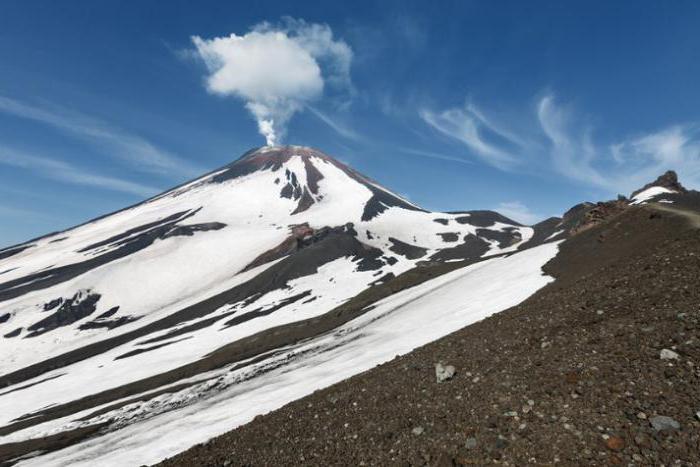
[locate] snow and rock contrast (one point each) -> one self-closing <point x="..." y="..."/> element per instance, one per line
<point x="137" y="335"/>
<point x="659" y="190"/>
<point x="571" y="376"/>
<point x="196" y="299"/>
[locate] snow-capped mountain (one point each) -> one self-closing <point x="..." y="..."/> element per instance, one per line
<point x="663" y="190"/>
<point x="140" y="333"/>
<point x="123" y="271"/>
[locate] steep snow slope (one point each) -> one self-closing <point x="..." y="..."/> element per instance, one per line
<point x="226" y="398"/>
<point x="146" y="262"/>
<point x="152" y="298"/>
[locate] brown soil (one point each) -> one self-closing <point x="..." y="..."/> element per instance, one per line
<point x="572" y="375"/>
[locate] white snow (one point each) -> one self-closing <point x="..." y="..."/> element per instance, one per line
<point x="177" y="272"/>
<point x="396" y="325"/>
<point x="556" y="233"/>
<point x="649" y="193"/>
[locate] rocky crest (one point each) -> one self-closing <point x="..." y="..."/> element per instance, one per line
<point x="668" y="180"/>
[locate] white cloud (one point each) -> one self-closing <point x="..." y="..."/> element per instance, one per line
<point x="276" y="70"/>
<point x="624" y="165"/>
<point x="64" y="172"/>
<point x="571" y="155"/>
<point x="135" y="150"/>
<point x="435" y="155"/>
<point x="518" y="212"/>
<point x="470" y="127"/>
<point x="557" y="132"/>
<point x="675" y="147"/>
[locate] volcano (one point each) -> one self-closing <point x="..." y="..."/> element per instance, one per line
<point x="136" y="335"/>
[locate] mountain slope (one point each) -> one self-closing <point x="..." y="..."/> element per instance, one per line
<point x="134" y="336"/>
<point x="574" y="375"/>
<point x="223" y="272"/>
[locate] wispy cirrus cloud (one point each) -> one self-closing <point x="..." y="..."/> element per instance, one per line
<point x="572" y="154"/>
<point x="570" y="148"/>
<point x="487" y="141"/>
<point x="435" y="155"/>
<point x="343" y="130"/>
<point x="624" y="164"/>
<point x="519" y="212"/>
<point x="64" y="172"/>
<point x="132" y="149"/>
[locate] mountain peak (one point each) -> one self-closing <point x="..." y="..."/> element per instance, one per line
<point x="283" y="152"/>
<point x="668" y="180"/>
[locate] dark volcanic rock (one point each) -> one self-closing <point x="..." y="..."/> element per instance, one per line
<point x="108" y="323"/>
<point x="305" y="202"/>
<point x="302" y="236"/>
<point x="82" y="304"/>
<point x="53" y="304"/>
<point x="189" y="230"/>
<point x="545" y="231"/>
<point x="483" y="218"/>
<point x="505" y="238"/>
<point x="470" y="249"/>
<point x="404" y="249"/>
<point x="668" y="180"/>
<point x="267" y="311"/>
<point x="14" y="333"/>
<point x="449" y="236"/>
<point x="11" y="251"/>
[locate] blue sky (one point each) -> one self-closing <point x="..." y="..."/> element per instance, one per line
<point x="525" y="107"/>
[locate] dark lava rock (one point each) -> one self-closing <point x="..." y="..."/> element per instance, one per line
<point x="668" y="180"/>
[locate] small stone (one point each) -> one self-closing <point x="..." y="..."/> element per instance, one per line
<point x="641" y="416"/>
<point x="471" y="443"/>
<point x="697" y="414"/>
<point x="444" y="372"/>
<point x="418" y="430"/>
<point x="510" y="414"/>
<point x="615" y="443"/>
<point x="599" y="312"/>
<point x="662" y="423"/>
<point x="501" y="443"/>
<point x="530" y="402"/>
<point x="668" y="354"/>
<point x="642" y="441"/>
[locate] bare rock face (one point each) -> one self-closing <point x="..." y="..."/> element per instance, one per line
<point x="668" y="180"/>
<point x="586" y="215"/>
<point x="590" y="215"/>
<point x="664" y="423"/>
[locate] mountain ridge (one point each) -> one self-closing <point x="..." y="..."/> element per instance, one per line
<point x="279" y="258"/>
